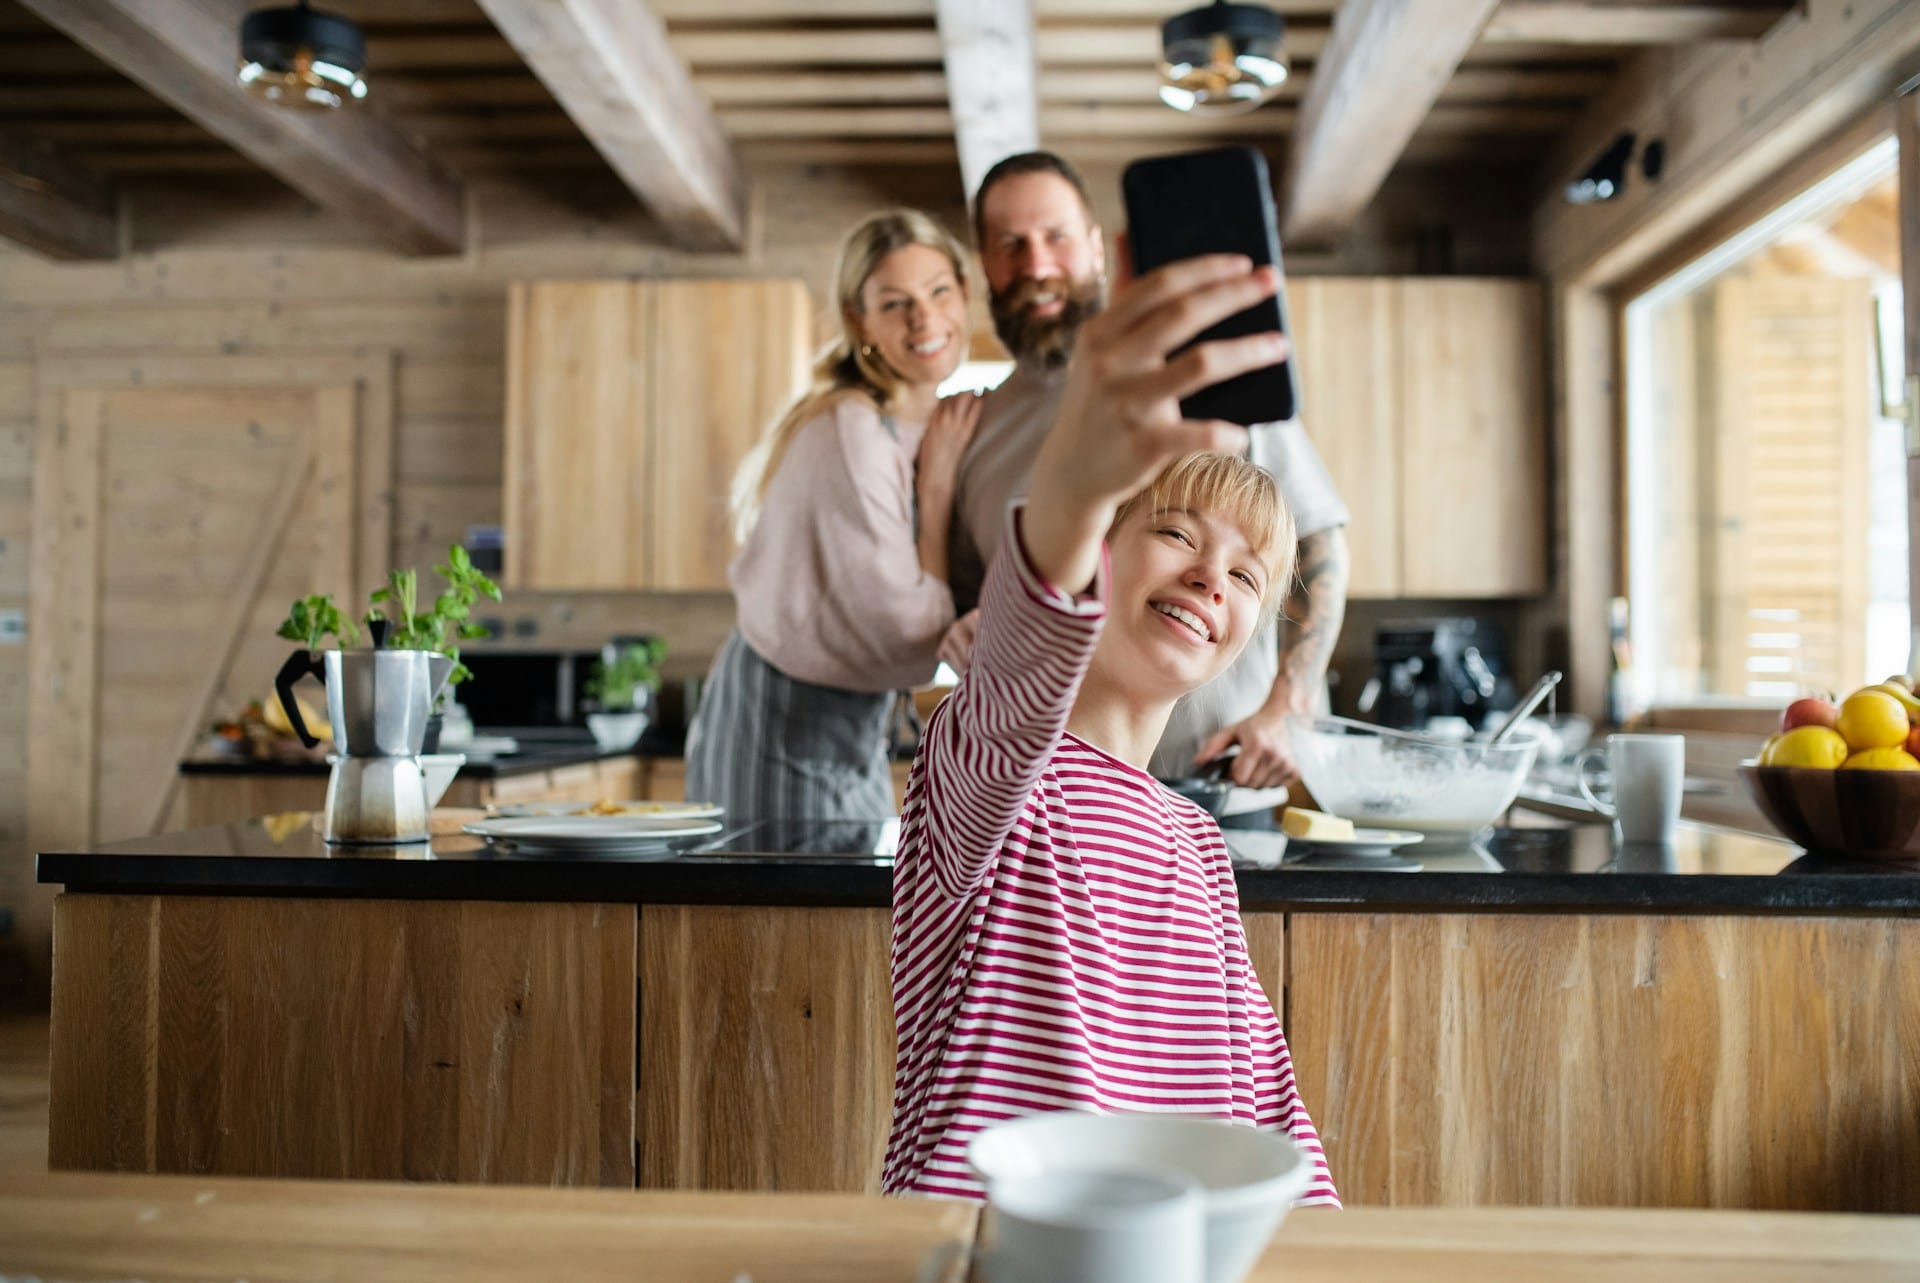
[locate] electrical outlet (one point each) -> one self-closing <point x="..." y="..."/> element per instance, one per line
<point x="13" y="627"/>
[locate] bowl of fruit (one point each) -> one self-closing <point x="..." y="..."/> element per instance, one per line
<point x="1844" y="779"/>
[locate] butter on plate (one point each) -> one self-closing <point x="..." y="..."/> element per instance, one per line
<point x="1313" y="826"/>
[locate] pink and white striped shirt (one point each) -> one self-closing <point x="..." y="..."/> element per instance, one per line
<point x="1066" y="932"/>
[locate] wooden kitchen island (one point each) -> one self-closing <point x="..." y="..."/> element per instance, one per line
<point x="1545" y="1019"/>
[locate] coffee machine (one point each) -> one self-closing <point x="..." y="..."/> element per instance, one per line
<point x="1428" y="668"/>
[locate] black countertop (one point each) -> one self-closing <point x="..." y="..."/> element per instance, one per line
<point x="1571" y="869"/>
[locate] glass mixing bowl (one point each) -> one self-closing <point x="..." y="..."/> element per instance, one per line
<point x="1381" y="778"/>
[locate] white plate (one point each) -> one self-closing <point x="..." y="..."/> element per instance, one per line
<point x="591" y="834"/>
<point x="655" y="812"/>
<point x="1363" y="842"/>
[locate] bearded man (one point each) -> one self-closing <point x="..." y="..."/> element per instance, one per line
<point x="1044" y="258"/>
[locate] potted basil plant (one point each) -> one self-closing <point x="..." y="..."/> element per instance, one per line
<point x="622" y="685"/>
<point x="397" y="619"/>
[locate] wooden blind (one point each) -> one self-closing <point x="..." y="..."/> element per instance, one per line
<point x="1784" y="467"/>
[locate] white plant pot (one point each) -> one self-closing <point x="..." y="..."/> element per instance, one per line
<point x="613" y="731"/>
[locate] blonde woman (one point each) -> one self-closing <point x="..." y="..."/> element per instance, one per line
<point x="842" y="512"/>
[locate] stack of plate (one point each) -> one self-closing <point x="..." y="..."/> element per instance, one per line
<point x="647" y="828"/>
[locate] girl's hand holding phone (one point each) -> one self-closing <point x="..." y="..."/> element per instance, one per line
<point x="1120" y="420"/>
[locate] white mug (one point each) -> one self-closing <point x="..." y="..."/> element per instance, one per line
<point x="1099" y="1225"/>
<point x="1649" y="772"/>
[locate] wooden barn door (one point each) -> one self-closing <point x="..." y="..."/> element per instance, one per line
<point x="180" y="504"/>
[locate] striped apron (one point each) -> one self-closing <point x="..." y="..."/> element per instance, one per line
<point x="771" y="747"/>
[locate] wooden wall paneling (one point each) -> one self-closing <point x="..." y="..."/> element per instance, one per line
<point x="366" y="1040"/>
<point x="1346" y="334"/>
<point x="769" y="1064"/>
<point x="1473" y="416"/>
<point x="576" y="506"/>
<point x="729" y="357"/>
<point x="1618" y="1061"/>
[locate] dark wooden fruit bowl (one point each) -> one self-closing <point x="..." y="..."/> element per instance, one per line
<point x="1865" y="815"/>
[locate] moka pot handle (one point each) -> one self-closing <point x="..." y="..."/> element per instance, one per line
<point x="298" y="665"/>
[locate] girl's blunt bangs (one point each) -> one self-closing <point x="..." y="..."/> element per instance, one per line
<point x="1237" y="489"/>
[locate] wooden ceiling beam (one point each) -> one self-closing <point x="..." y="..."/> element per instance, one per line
<point x="53" y="205"/>
<point x="354" y="162"/>
<point x="1382" y="73"/>
<point x="609" y="65"/>
<point x="1570" y="22"/>
<point x="992" y="82"/>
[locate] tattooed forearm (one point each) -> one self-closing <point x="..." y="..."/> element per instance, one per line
<point x="1315" y="609"/>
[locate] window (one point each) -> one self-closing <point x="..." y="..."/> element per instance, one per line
<point x="1766" y="482"/>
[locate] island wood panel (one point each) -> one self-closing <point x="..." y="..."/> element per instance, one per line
<point x="1267" y="947"/>
<point x="1647" y="1061"/>
<point x="1346" y="336"/>
<point x="1474" y="434"/>
<point x="766" y="1048"/>
<point x="369" y="1039"/>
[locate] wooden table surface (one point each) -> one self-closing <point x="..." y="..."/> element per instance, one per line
<point x="171" y="1229"/>
<point x="168" y="1229"/>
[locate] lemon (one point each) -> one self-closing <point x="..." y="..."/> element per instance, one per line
<point x="1872" y="719"/>
<point x="1882" y="759"/>
<point x="1906" y="698"/>
<point x="1815" y="746"/>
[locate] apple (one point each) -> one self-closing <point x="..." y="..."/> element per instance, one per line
<point x="1809" y="711"/>
<point x="1913" y="741"/>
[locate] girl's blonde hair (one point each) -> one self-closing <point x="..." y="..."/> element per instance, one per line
<point x="1241" y="491"/>
<point x="846" y="366"/>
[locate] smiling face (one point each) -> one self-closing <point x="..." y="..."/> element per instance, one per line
<point x="1045" y="264"/>
<point x="1188" y="591"/>
<point x="913" y="310"/>
<point x="1196" y="561"/>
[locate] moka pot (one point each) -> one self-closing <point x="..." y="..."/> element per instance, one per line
<point x="378" y="702"/>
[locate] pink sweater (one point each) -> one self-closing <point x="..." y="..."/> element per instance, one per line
<point x="1066" y="932"/>
<point x="828" y="585"/>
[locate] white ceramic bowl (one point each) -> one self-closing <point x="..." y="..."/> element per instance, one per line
<point x="616" y="730"/>
<point x="1386" y="779"/>
<point x="1249" y="1178"/>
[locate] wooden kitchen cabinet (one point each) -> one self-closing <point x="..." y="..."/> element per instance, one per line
<point x="1347" y="340"/>
<point x="1473" y="422"/>
<point x="629" y="405"/>
<point x="1425" y="397"/>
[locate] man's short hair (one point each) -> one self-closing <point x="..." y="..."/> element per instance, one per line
<point x="1028" y="162"/>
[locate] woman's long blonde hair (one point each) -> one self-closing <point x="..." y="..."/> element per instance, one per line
<point x="846" y="366"/>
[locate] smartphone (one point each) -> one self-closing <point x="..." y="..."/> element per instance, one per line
<point x="1215" y="202"/>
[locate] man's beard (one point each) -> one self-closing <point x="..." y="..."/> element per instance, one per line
<point x="1045" y="341"/>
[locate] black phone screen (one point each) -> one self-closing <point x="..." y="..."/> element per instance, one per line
<point x="1215" y="202"/>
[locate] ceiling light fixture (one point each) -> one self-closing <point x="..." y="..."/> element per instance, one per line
<point x="1606" y="177"/>
<point x="1221" y="59"/>
<point x="299" y="57"/>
